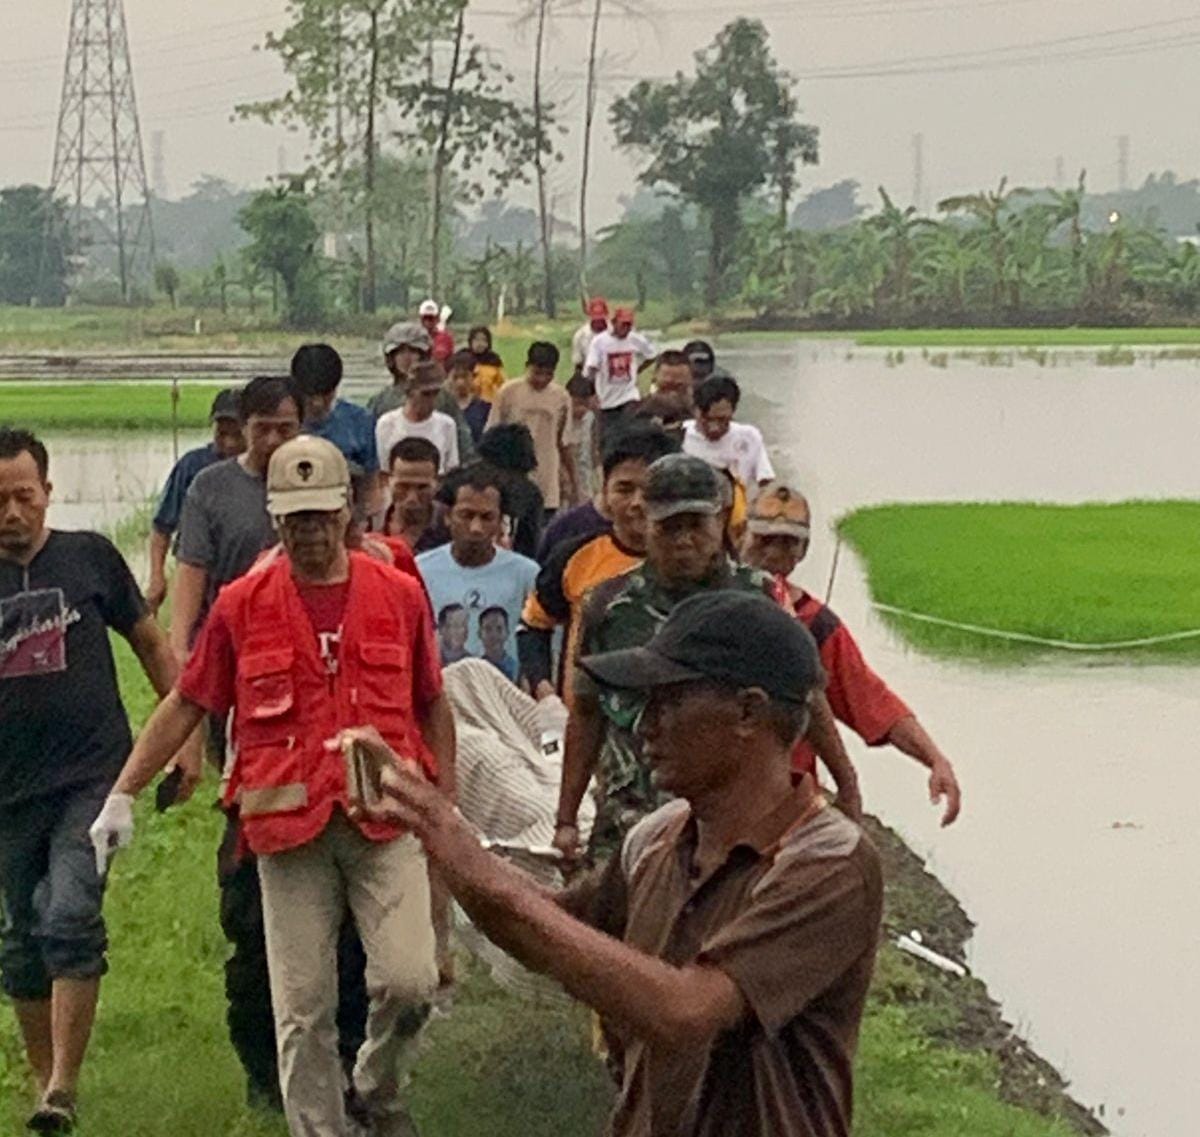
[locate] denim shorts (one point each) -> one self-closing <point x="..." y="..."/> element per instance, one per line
<point x="50" y="892"/>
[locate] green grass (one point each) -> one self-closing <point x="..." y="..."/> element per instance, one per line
<point x="104" y="406"/>
<point x="1026" y="337"/>
<point x="1088" y="573"/>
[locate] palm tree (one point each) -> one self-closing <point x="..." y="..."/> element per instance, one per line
<point x="989" y="208"/>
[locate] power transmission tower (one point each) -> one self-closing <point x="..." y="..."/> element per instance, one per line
<point x="1123" y="162"/>
<point x="99" y="164"/>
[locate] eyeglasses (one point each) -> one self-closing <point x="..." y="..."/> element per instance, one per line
<point x="781" y="505"/>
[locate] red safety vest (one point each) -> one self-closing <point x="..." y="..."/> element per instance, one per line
<point x="285" y="782"/>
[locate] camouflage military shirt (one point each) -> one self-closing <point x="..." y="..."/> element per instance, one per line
<point x="623" y="612"/>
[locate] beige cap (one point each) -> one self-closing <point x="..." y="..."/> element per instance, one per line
<point x="779" y="511"/>
<point x="307" y="474"/>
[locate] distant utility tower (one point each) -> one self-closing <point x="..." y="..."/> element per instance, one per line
<point x="99" y="165"/>
<point x="1123" y="162"/>
<point x="158" y="164"/>
<point x="918" y="153"/>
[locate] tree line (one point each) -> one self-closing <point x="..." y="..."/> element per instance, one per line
<point x="417" y="137"/>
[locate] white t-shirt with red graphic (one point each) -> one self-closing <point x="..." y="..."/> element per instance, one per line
<point x="615" y="363"/>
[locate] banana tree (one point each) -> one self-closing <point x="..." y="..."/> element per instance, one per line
<point x="990" y="208"/>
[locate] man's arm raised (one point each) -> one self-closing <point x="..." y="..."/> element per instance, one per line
<point x="669" y="1006"/>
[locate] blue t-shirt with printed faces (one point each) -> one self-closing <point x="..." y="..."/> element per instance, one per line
<point x="478" y="608"/>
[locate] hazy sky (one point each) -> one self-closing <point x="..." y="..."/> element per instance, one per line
<point x="994" y="86"/>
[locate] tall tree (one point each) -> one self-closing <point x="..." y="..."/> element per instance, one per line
<point x="721" y="136"/>
<point x="30" y="274"/>
<point x="470" y="126"/>
<point x="336" y="53"/>
<point x="283" y="239"/>
<point x="540" y="112"/>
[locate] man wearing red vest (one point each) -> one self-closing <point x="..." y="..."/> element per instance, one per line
<point x="779" y="527"/>
<point x="322" y="640"/>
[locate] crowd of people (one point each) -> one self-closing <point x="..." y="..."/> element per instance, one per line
<point x="478" y="615"/>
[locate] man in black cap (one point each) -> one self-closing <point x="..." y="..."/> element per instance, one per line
<point x="227" y="442"/>
<point x="685" y="555"/>
<point x="731" y="944"/>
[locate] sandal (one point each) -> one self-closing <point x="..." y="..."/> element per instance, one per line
<point x="56" y="1114"/>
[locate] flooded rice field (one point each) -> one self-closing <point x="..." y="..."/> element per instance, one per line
<point x="1078" y="849"/>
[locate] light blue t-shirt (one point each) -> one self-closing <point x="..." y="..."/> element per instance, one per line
<point x="478" y="609"/>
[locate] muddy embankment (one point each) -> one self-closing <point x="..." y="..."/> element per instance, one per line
<point x="958" y="1011"/>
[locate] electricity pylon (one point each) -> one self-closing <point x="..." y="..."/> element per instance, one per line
<point x="99" y="165"/>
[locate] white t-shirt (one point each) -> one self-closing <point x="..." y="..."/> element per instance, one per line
<point x="581" y="342"/>
<point x="616" y="362"/>
<point x="740" y="450"/>
<point x="438" y="428"/>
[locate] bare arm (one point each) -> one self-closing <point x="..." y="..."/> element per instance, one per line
<point x="437" y="726"/>
<point x="156" y="591"/>
<point x="666" y="1005"/>
<point x="159" y="741"/>
<point x="581" y="753"/>
<point x="191" y="582"/>
<point x="910" y="737"/>
<point x="150" y="645"/>
<point x="823" y="734"/>
<point x="566" y="455"/>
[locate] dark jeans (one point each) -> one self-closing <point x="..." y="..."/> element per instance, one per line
<point x="50" y="892"/>
<point x="612" y="422"/>
<point x="247" y="981"/>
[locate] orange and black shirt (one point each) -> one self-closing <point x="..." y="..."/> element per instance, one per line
<point x="573" y="568"/>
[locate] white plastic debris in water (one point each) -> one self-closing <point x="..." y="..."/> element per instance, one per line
<point x="916" y="948"/>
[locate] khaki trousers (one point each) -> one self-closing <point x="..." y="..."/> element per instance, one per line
<point x="305" y="894"/>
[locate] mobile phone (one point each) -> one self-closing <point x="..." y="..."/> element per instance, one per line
<point x="364" y="775"/>
<point x="167" y="793"/>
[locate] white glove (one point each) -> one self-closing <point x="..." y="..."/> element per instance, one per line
<point x="112" y="830"/>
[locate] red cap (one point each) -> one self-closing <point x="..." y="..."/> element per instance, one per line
<point x="597" y="308"/>
<point x="623" y="316"/>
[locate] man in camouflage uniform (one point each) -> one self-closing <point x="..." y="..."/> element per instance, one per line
<point x="684" y="555"/>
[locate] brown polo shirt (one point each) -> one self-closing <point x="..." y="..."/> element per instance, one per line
<point x="792" y="916"/>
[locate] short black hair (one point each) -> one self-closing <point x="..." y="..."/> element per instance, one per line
<point x="714" y="389"/>
<point x="264" y="394"/>
<point x="579" y="386"/>
<point x="14" y="441"/>
<point x="316" y="369"/>
<point x="542" y="354"/>
<point x="672" y="358"/>
<point x="461" y="361"/>
<point x="494" y="610"/>
<point x="639" y="441"/>
<point x="478" y="476"/>
<point x="415" y="450"/>
<point x="509" y="445"/>
<point x="449" y="610"/>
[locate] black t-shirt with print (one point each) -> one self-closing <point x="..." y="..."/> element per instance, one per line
<point x="61" y="719"/>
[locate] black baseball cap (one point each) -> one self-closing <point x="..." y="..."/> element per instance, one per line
<point x="741" y="639"/>
<point x="699" y="352"/>
<point x="682" y="483"/>
<point x="227" y="404"/>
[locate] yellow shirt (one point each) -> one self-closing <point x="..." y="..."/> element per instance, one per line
<point x="489" y="378"/>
